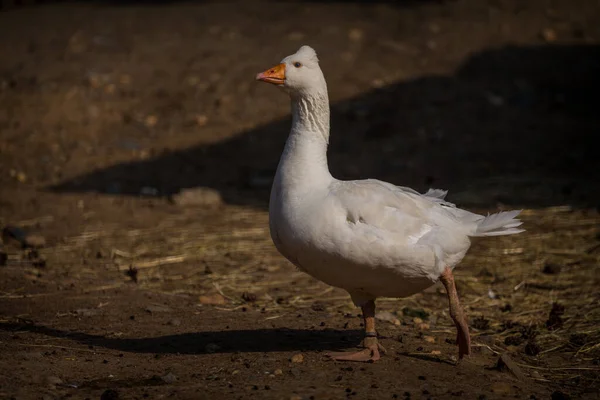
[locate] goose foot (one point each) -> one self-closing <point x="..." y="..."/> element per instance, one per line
<point x="372" y="347"/>
<point x="370" y="353"/>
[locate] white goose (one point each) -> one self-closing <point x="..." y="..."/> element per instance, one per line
<point x="368" y="237"/>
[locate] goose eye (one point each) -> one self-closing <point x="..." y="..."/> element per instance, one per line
<point x="297" y="64"/>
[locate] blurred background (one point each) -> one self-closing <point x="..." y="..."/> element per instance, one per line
<point x="496" y="100"/>
<point x="137" y="152"/>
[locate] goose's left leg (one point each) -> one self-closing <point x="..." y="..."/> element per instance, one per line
<point x="458" y="315"/>
<point x="371" y="350"/>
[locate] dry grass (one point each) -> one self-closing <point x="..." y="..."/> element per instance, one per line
<point x="233" y="255"/>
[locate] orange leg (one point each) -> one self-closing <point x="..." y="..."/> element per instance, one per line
<point x="458" y="316"/>
<point x="371" y="350"/>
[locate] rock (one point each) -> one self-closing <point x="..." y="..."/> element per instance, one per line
<point x="355" y="34"/>
<point x="212" y="299"/>
<point x="549" y="35"/>
<point x="35" y="241"/>
<point x="174" y="322"/>
<point x="197" y="197"/>
<point x="157" y="308"/>
<point x="501" y="388"/>
<point x="151" y="121"/>
<point x="377" y="83"/>
<point x="423" y="326"/>
<point x="169" y="378"/>
<point x="212" y="348"/>
<point x="436" y="352"/>
<point x="506" y="364"/>
<point x="297" y="358"/>
<point x="53" y="380"/>
<point x="429" y="339"/>
<point x="387" y="317"/>
<point x="278" y="372"/>
<point x="109" y="394"/>
<point x="21" y="177"/>
<point x="201" y="120"/>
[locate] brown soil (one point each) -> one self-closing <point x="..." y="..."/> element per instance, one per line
<point x="108" y="110"/>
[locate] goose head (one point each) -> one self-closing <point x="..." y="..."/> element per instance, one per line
<point x="297" y="74"/>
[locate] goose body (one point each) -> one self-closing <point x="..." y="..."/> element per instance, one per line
<point x="369" y="237"/>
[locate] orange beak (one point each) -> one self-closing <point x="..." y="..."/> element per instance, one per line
<point x="275" y="75"/>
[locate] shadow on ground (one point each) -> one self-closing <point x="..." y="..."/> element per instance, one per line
<point x="514" y="125"/>
<point x="231" y="341"/>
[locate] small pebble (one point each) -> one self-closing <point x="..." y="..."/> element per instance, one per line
<point x="21" y="177"/>
<point x="169" y="378"/>
<point x="423" y="327"/>
<point x="387" y="317"/>
<point x="151" y="121"/>
<point x="213" y="299"/>
<point x="549" y="35"/>
<point x="429" y="339"/>
<point x="278" y="372"/>
<point x="201" y="120"/>
<point x="174" y="322"/>
<point x="157" y="308"/>
<point x="53" y="380"/>
<point x="297" y="358"/>
<point x="355" y="34"/>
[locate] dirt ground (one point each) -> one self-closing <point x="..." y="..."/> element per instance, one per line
<point x="109" y="111"/>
